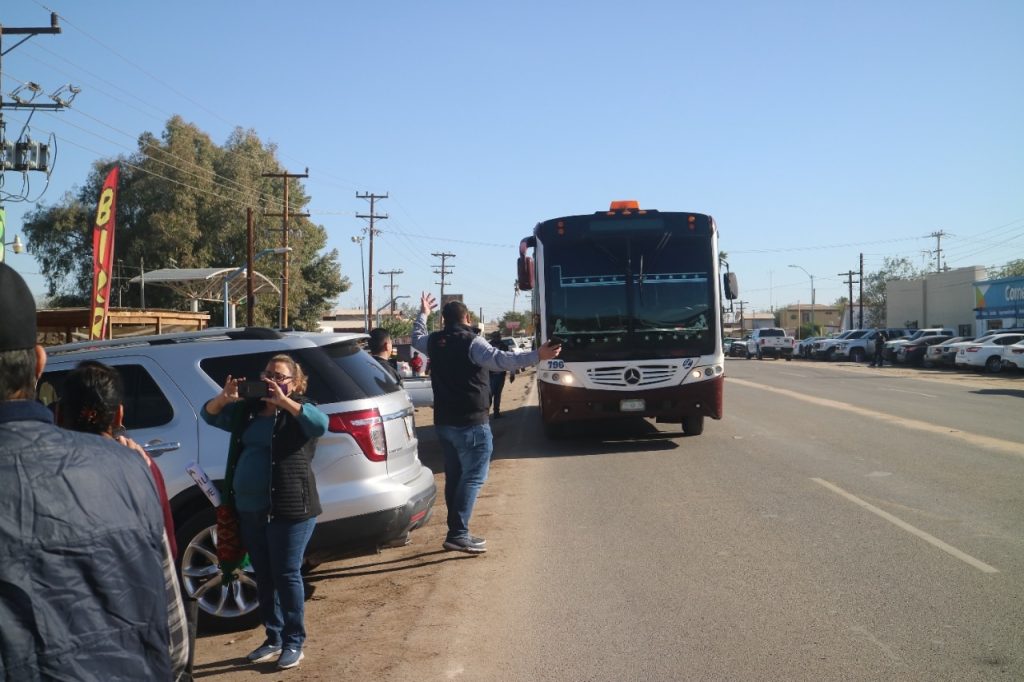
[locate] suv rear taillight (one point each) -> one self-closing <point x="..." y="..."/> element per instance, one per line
<point x="366" y="427"/>
<point x="973" y="349"/>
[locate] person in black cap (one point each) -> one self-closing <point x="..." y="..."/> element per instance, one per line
<point x="87" y="587"/>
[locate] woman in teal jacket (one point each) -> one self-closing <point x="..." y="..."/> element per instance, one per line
<point x="272" y="487"/>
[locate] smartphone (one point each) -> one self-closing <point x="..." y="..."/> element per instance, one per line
<point x="554" y="341"/>
<point x="248" y="390"/>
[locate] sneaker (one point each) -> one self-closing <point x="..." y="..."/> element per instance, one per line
<point x="467" y="545"/>
<point x="290" y="658"/>
<point x="264" y="653"/>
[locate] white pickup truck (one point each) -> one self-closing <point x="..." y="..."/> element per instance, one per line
<point x="770" y="341"/>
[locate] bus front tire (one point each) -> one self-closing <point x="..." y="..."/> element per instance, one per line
<point x="693" y="425"/>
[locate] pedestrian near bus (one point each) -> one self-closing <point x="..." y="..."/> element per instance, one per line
<point x="84" y="591"/>
<point x="880" y="339"/>
<point x="497" y="378"/>
<point x="460" y="361"/>
<point x="272" y="488"/>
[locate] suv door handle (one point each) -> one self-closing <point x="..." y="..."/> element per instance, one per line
<point x="156" y="448"/>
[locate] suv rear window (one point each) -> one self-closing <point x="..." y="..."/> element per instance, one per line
<point x="337" y="373"/>
<point x="772" y="332"/>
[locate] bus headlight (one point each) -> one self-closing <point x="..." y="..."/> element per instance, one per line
<point x="703" y="373"/>
<point x="560" y="377"/>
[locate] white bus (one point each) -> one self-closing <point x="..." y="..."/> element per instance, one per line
<point x="634" y="297"/>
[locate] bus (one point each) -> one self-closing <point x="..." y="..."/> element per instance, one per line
<point x="635" y="299"/>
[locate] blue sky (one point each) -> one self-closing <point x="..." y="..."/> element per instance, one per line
<point x="811" y="131"/>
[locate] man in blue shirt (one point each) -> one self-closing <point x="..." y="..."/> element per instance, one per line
<point x="460" y="366"/>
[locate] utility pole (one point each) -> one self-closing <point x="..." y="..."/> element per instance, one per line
<point x="861" y="282"/>
<point x="371" y="217"/>
<point x="849" y="280"/>
<point x="391" y="286"/>
<point x="938" y="249"/>
<point x="741" y="304"/>
<point x="284" y="242"/>
<point x="24" y="154"/>
<point x="443" y="271"/>
<point x="362" y="270"/>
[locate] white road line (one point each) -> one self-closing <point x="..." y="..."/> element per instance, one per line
<point x="900" y="390"/>
<point x="975" y="439"/>
<point x="931" y="539"/>
<point x="794" y="374"/>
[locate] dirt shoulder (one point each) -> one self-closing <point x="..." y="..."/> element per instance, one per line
<point x="367" y="615"/>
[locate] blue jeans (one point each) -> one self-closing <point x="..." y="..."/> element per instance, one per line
<point x="275" y="550"/>
<point x="467" y="457"/>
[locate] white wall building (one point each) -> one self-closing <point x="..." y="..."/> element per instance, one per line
<point x="939" y="299"/>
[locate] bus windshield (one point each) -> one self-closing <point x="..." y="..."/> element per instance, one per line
<point x="630" y="293"/>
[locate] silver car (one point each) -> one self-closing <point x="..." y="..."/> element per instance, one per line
<point x="373" y="488"/>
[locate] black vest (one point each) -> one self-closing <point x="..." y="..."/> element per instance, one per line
<point x="462" y="389"/>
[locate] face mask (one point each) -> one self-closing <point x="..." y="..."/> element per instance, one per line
<point x="284" y="388"/>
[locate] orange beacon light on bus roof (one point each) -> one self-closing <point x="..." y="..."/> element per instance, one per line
<point x="625" y="205"/>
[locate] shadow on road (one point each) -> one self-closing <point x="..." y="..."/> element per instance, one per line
<point x="1012" y="392"/>
<point x="519" y="434"/>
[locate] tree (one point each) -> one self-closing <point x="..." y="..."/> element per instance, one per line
<point x="521" y="323"/>
<point x="182" y="199"/>
<point x="1014" y="268"/>
<point x="874" y="288"/>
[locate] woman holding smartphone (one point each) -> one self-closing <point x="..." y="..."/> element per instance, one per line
<point x="270" y="483"/>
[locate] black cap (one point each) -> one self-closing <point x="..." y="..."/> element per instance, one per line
<point x="17" y="312"/>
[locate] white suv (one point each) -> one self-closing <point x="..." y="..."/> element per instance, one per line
<point x="373" y="488"/>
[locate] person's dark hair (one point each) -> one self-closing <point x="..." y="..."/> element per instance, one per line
<point x="18" y="374"/>
<point x="378" y="340"/>
<point x="454" y="313"/>
<point x="91" y="395"/>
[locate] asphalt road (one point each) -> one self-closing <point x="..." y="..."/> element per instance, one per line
<point x="839" y="523"/>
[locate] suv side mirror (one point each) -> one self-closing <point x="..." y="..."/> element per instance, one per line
<point x="731" y="286"/>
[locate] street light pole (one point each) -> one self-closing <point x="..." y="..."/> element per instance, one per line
<point x="813" y="326"/>
<point x="228" y="322"/>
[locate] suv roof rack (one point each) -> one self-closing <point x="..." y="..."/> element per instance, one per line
<point x="168" y="339"/>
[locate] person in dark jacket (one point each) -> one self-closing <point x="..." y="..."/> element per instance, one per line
<point x="460" y="361"/>
<point x="497" y="378"/>
<point x="84" y="562"/>
<point x="381" y="347"/>
<point x="92" y="401"/>
<point x="273" y="439"/>
<point x="880" y="339"/>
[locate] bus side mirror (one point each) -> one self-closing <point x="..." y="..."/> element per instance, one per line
<point x="731" y="286"/>
<point x="526" y="273"/>
<point x="525" y="266"/>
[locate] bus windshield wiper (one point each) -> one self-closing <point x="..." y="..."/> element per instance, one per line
<point x="640" y="286"/>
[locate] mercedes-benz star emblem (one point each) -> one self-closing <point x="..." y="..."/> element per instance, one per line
<point x="631" y="376"/>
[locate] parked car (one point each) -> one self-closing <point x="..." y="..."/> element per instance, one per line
<point x="913" y="352"/>
<point x="861" y="347"/>
<point x="727" y="342"/>
<point x="824" y="348"/>
<point x="373" y="488"/>
<point x="804" y="346"/>
<point x="988" y="354"/>
<point x="892" y="347"/>
<point x="944" y="354"/>
<point x="1014" y="356"/>
<point x="771" y="341"/>
<point x="739" y="348"/>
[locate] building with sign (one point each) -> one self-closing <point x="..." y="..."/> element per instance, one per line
<point x="999" y="303"/>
